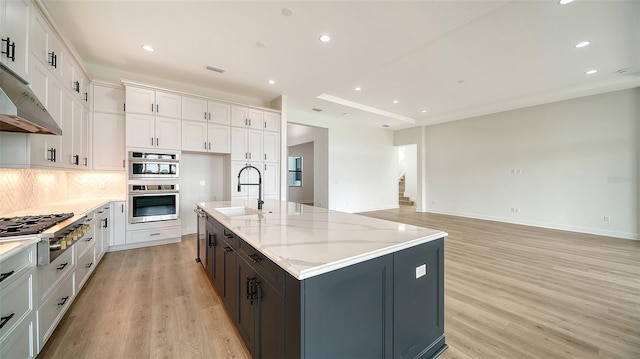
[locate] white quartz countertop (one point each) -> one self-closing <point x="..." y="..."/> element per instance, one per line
<point x="307" y="241"/>
<point x="79" y="207"/>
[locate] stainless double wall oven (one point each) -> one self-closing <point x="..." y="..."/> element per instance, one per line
<point x="153" y="186"/>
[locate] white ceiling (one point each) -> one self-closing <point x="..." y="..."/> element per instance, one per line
<point x="454" y="59"/>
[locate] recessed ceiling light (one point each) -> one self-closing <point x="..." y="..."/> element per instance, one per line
<point x="261" y="44"/>
<point x="395" y="101"/>
<point x="582" y="44"/>
<point x="287" y="11"/>
<point x="358" y="88"/>
<point x="564" y="2"/>
<point x="591" y="72"/>
<point x="424" y="111"/>
<point x="148" y="48"/>
<point x="271" y="82"/>
<point x="325" y="38"/>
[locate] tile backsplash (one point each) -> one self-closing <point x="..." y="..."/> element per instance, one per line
<point x="25" y="188"/>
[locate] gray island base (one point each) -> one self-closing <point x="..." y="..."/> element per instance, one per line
<point x="305" y="282"/>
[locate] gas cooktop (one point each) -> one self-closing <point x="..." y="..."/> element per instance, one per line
<point x="19" y="226"/>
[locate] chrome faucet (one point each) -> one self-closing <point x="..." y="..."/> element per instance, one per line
<point x="259" y="184"/>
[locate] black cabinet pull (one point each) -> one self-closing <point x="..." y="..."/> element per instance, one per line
<point x="89" y="239"/>
<point x="54" y="60"/>
<point x="86" y="161"/>
<point x="86" y="97"/>
<point x="106" y="223"/>
<point x="89" y="265"/>
<point x="11" y="49"/>
<point x="255" y="258"/>
<point x="248" y="280"/>
<point x="63" y="300"/>
<point x="212" y="239"/>
<point x="61" y="267"/>
<point x="5" y="320"/>
<point x="76" y="86"/>
<point x="76" y="160"/>
<point x="6" y="275"/>
<point x="228" y="249"/>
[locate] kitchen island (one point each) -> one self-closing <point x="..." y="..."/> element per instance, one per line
<point x="306" y="282"/>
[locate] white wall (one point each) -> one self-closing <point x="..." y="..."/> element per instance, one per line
<point x="563" y="165"/>
<point x="362" y="163"/>
<point x="202" y="178"/>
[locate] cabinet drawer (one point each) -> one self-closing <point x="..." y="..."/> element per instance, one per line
<point x="84" y="267"/>
<point x="13" y="267"/>
<point x="15" y="302"/>
<point x="85" y="242"/>
<point x="268" y="270"/>
<point x="229" y="238"/>
<point x="149" y="235"/>
<point x="53" y="308"/>
<point x="50" y="274"/>
<point x="20" y="343"/>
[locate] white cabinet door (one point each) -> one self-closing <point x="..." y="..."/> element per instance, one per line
<point x="140" y="130"/>
<point x="38" y="38"/>
<point x="108" y="142"/>
<point x="194" y="136"/>
<point x="66" y="159"/>
<point x="254" y="145"/>
<point x="239" y="144"/>
<point x="85" y="156"/>
<point x="271" y="146"/>
<point x="256" y="119"/>
<point x="55" y="54"/>
<point x="44" y="148"/>
<point x="118" y="230"/>
<point x="271" y="121"/>
<point x="139" y="100"/>
<point x="219" y="113"/>
<point x="76" y="148"/>
<point x="239" y="116"/>
<point x="219" y="138"/>
<point x="108" y="99"/>
<point x="68" y="71"/>
<point x="271" y="180"/>
<point x="168" y="105"/>
<point x="14" y="25"/>
<point x="168" y="133"/>
<point x="194" y="109"/>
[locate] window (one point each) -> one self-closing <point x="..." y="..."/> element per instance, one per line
<point x="295" y="172"/>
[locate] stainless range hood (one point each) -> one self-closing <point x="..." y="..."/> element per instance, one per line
<point x="20" y="109"/>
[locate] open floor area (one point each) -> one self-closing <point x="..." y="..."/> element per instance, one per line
<point x="511" y="291"/>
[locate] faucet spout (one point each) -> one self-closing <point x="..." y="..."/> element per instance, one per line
<point x="259" y="184"/>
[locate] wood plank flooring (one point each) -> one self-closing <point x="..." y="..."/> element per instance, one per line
<point x="510" y="292"/>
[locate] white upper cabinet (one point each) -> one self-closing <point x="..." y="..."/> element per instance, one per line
<point x="271" y="121"/>
<point x="271" y="146"/>
<point x="108" y="99"/>
<point x="219" y="113"/>
<point x="150" y="102"/>
<point x="194" y="109"/>
<point x="14" y="27"/>
<point x="246" y="117"/>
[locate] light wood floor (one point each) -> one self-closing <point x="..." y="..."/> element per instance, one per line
<point x="510" y="292"/>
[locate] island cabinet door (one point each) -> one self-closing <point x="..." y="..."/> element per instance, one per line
<point x="247" y="306"/>
<point x="347" y="313"/>
<point x="418" y="306"/>
<point x="270" y="322"/>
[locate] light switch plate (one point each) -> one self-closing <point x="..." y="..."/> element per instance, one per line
<point x="421" y="271"/>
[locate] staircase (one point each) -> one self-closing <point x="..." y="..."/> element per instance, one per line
<point x="402" y="199"/>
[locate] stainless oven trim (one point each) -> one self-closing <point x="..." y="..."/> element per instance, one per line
<point x="162" y="217"/>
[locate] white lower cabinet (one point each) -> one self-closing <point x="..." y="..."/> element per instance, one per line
<point x="84" y="267"/>
<point x="53" y="308"/>
<point x="153" y="234"/>
<point x="17" y="307"/>
<point x="21" y="342"/>
<point x="118" y="229"/>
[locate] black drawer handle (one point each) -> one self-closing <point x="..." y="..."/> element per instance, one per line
<point x="63" y="300"/>
<point x="255" y="258"/>
<point x="229" y="235"/>
<point x="89" y="239"/>
<point x="61" y="267"/>
<point x="4" y="276"/>
<point x="89" y="265"/>
<point x="5" y="320"/>
<point x="228" y="249"/>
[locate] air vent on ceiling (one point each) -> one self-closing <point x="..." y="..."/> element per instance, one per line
<point x="216" y="69"/>
<point x="317" y="109"/>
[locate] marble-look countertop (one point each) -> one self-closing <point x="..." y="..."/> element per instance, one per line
<point x="307" y="241"/>
<point x="80" y="207"/>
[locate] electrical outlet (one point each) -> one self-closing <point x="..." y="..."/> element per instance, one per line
<point x="606" y="219"/>
<point x="515" y="210"/>
<point x="101" y="185"/>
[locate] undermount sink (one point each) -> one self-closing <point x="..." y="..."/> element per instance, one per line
<point x="237" y="211"/>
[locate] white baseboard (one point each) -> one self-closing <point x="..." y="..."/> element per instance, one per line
<point x="124" y="247"/>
